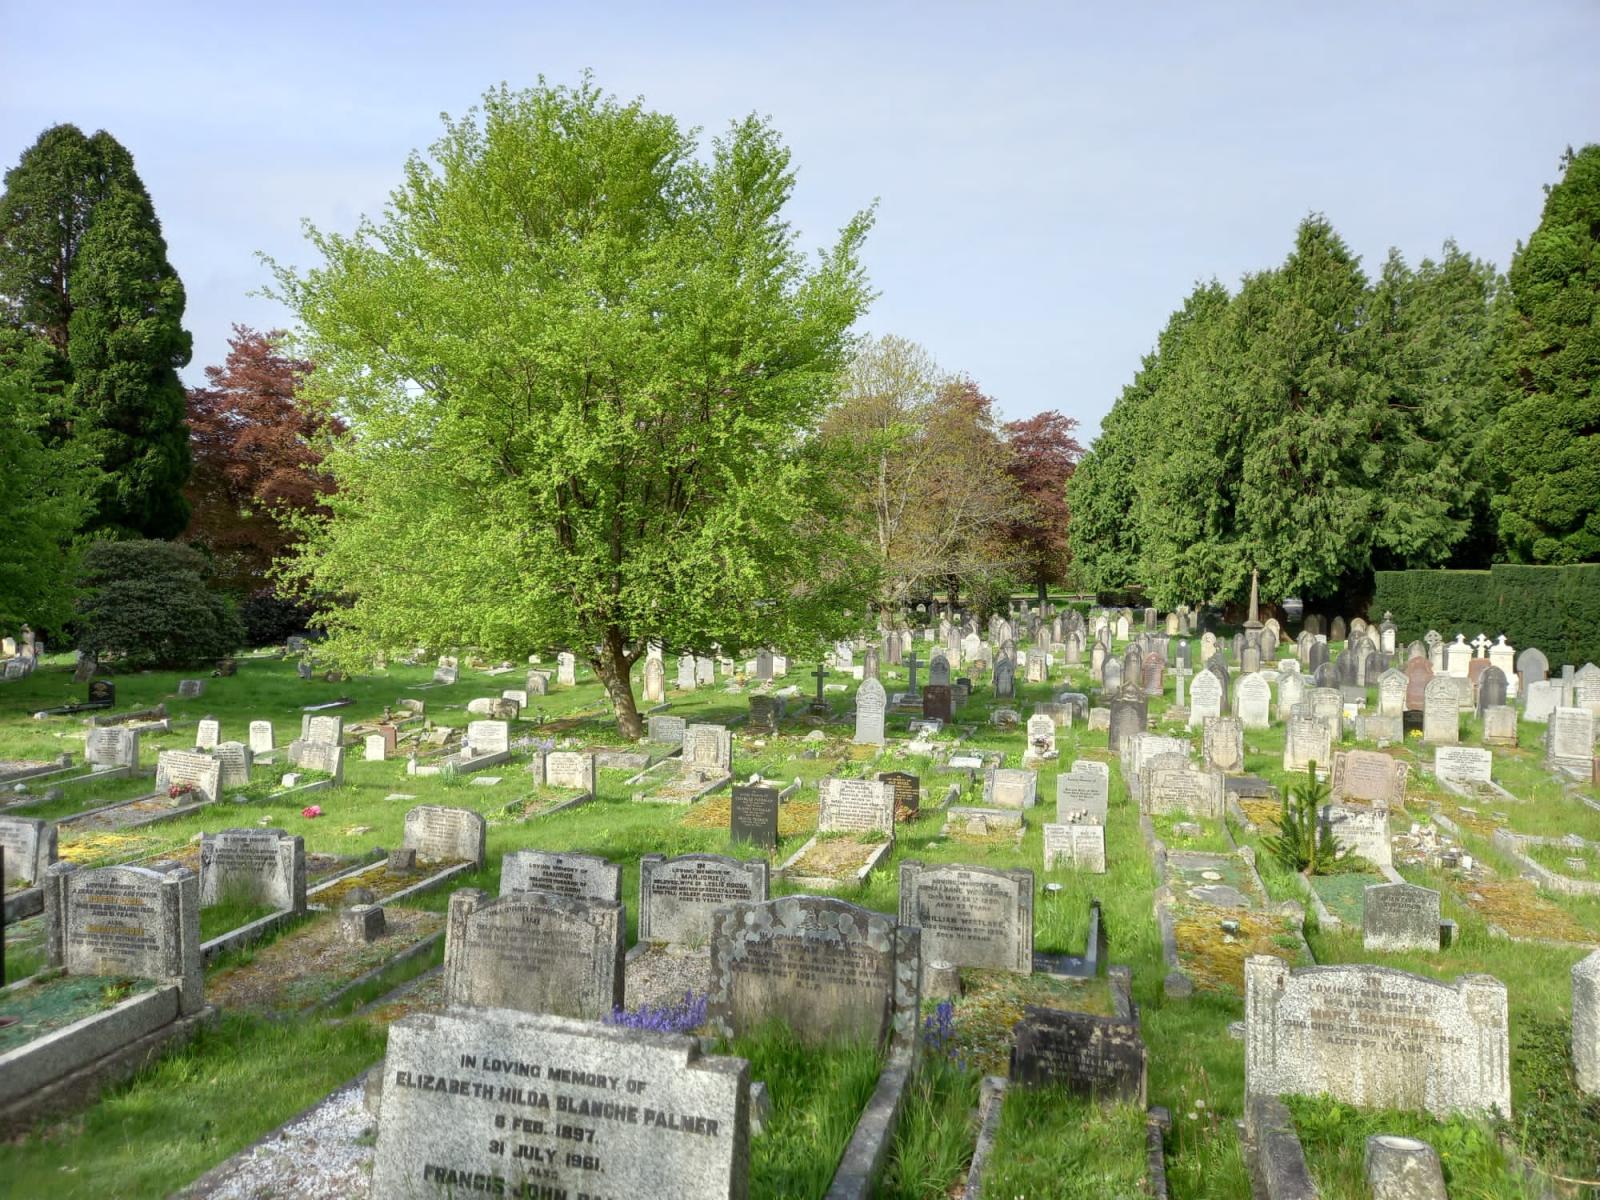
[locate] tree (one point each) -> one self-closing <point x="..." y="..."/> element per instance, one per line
<point x="43" y="490"/>
<point x="149" y="604"/>
<point x="257" y="457"/>
<point x="1547" y="435"/>
<point x="1043" y="456"/>
<point x="126" y="343"/>
<point x="579" y="364"/>
<point x="920" y="457"/>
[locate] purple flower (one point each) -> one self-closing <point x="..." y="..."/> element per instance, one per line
<point x="683" y="1017"/>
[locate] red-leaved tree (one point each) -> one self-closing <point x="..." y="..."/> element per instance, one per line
<point x="256" y="460"/>
<point x="1043" y="455"/>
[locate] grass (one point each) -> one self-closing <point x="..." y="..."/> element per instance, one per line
<point x="1053" y="1145"/>
<point x="933" y="1143"/>
<point x="217" y="919"/>
<point x="817" y="1096"/>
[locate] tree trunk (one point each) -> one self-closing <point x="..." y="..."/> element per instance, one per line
<point x="1044" y="594"/>
<point x="613" y="668"/>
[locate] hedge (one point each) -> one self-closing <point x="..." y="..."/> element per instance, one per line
<point x="1556" y="609"/>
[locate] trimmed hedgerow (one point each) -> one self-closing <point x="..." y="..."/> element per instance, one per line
<point x="1554" y="608"/>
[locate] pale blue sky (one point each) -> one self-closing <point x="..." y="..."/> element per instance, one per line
<point x="1051" y="178"/>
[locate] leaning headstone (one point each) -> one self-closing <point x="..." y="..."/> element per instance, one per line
<point x="534" y="952"/>
<point x="30" y="846"/>
<point x="1399" y="916"/>
<point x="667" y="1120"/>
<point x="970" y="916"/>
<point x="678" y="896"/>
<point x="1377" y="1037"/>
<point x="563" y="873"/>
<point x="448" y="669"/>
<point x="855" y="806"/>
<point x="317" y="756"/>
<point x="871" y="701"/>
<point x="445" y="834"/>
<point x="753" y="815"/>
<point x="253" y="866"/>
<point x="234" y="761"/>
<point x="826" y="969"/>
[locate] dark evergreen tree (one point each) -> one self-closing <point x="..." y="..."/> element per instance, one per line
<point x="125" y="344"/>
<point x="1546" y="439"/>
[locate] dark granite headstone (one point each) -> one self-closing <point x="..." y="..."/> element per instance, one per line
<point x="753" y="815"/>
<point x="1101" y="1057"/>
<point x="936" y="702"/>
<point x="102" y="692"/>
<point x="907" y="793"/>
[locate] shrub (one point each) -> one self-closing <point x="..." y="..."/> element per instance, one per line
<point x="1554" y="608"/>
<point x="269" y="618"/>
<point x="147" y="604"/>
<point x="1303" y="843"/>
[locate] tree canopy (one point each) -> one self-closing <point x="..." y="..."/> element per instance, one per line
<point x="580" y="364"/>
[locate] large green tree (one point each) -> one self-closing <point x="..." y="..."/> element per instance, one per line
<point x="581" y="363"/>
<point x="126" y="343"/>
<point x="1547" y="436"/>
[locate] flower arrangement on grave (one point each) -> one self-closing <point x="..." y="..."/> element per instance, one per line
<point x="179" y="790"/>
<point x="311" y="811"/>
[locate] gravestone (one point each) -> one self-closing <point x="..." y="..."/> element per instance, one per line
<point x="1441" y="713"/>
<point x="445" y="834"/>
<point x="1491" y="689"/>
<point x="1377" y="1037"/>
<point x="201" y="773"/>
<point x="1392" y="693"/>
<point x="1500" y="725"/>
<point x="1255" y="702"/>
<point x="855" y="806"/>
<point x="678" y="896"/>
<point x="1532" y="666"/>
<point x="1081" y="847"/>
<point x="657" y="1117"/>
<point x="567" y="669"/>
<point x="753" y="815"/>
<point x="576" y="876"/>
<point x="537" y="683"/>
<point x="253" y="866"/>
<point x="709" y="747"/>
<point x="1367" y="777"/>
<point x="574" y="770"/>
<point x="122" y="921"/>
<point x="1362" y="831"/>
<point x="1082" y="796"/>
<point x="1205" y="698"/>
<point x="871" y="701"/>
<point x="261" y="737"/>
<point x="1103" y="1058"/>
<point x="207" y="733"/>
<point x="106" y="746"/>
<point x="317" y="756"/>
<point x="234" y="761"/>
<point x="1418" y="676"/>
<point x="1169" y="786"/>
<point x="907" y="793"/>
<point x="827" y="969"/>
<point x="663" y="730"/>
<point x="686" y="681"/>
<point x="1569" y="741"/>
<point x="1328" y="704"/>
<point x="1586" y="1024"/>
<point x="191" y="689"/>
<point x="1041" y="746"/>
<point x="1009" y="787"/>
<point x="939" y="669"/>
<point x="1307" y="739"/>
<point x="1540" y="700"/>
<point x="936" y="702"/>
<point x="30" y="845"/>
<point x="705" y="671"/>
<point x="323" y="729"/>
<point x="1126" y="717"/>
<point x="1463" y="764"/>
<point x="534" y="952"/>
<point x="970" y="916"/>
<point x="448" y="669"/>
<point x="766" y="712"/>
<point x="1292" y="687"/>
<point x="655" y="680"/>
<point x="1223" y="743"/>
<point x="1004" y="677"/>
<point x="1399" y="916"/>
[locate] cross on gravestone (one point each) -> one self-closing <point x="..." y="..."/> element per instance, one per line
<point x="911" y="665"/>
<point x="821" y="673"/>
<point x="1480" y="645"/>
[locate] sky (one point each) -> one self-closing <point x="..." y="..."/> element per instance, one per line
<point x="1050" y="179"/>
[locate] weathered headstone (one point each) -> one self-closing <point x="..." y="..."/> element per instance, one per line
<point x="1399" y="916"/>
<point x="1223" y="743"/>
<point x="1441" y="713"/>
<point x="1500" y="725"/>
<point x="30" y="846"/>
<point x="1255" y="702"/>
<point x="1586" y="1024"/>
<point x="1103" y="1058"/>
<point x="1463" y="764"/>
<point x="1205" y="698"/>
<point x="1569" y="741"/>
<point x="1082" y="795"/>
<point x="855" y="806"/>
<point x="261" y="737"/>
<point x="234" y="761"/>
<point x="200" y="773"/>
<point x="970" y="916"/>
<point x="1307" y="739"/>
<point x="1010" y="787"/>
<point x="253" y="866"/>
<point x="207" y="733"/>
<point x="907" y="793"/>
<point x="1368" y="777"/>
<point x="1081" y="847"/>
<point x="575" y="770"/>
<point x="708" y="747"/>
<point x="677" y="896"/>
<point x="667" y="731"/>
<point x="109" y="746"/>
<point x="563" y="873"/>
<point x="871" y="701"/>
<point x="445" y="834"/>
<point x="1392" y="693"/>
<point x="1169" y="786"/>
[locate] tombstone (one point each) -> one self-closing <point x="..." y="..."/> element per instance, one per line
<point x="1082" y="796"/>
<point x="1205" y="698"/>
<point x="970" y="916"/>
<point x="567" y="669"/>
<point x="1367" y="777"/>
<point x="1500" y="725"/>
<point x="655" y="680"/>
<point x="1041" y="739"/>
<point x="317" y="756"/>
<point x="1103" y="1058"/>
<point x="576" y="876"/>
<point x="1399" y="917"/>
<point x="766" y="713"/>
<point x="1008" y="787"/>
<point x="1255" y="702"/>
<point x="871" y="701"/>
<point x="30" y="849"/>
<point x="1441" y="713"/>
<point x="260" y="737"/>
<point x="1360" y="830"/>
<point x="677" y="896"/>
<point x="1418" y="675"/>
<point x="1540" y="699"/>
<point x="207" y="733"/>
<point x="907" y="793"/>
<point x="1458" y="657"/>
<point x="1004" y="677"/>
<point x="201" y="773"/>
<point x="1126" y="717"/>
<point x="1038" y="666"/>
<point x="191" y="689"/>
<point x="109" y="746"/>
<point x="855" y="806"/>
<point x="573" y="770"/>
<point x="709" y="747"/>
<point x="1291" y="691"/>
<point x="1154" y="674"/>
<point x="1318" y="658"/>
<point x="1223" y="743"/>
<point x="127" y="921"/>
<point x="535" y="952"/>
<point x="870" y="663"/>
<point x="686" y="681"/>
<point x="664" y="730"/>
<point x="937" y="702"/>
<point x="1168" y="785"/>
<point x="1586" y="1024"/>
<point x="1532" y="667"/>
<point x="325" y="730"/>
<point x="1307" y="740"/>
<point x="234" y="761"/>
<point x="448" y="669"/>
<point x="1569" y="741"/>
<point x="1080" y="847"/>
<point x="1328" y="704"/>
<point x="445" y="834"/>
<point x="828" y="970"/>
<point x="1377" y="1037"/>
<point x="753" y="815"/>
<point x="253" y="866"/>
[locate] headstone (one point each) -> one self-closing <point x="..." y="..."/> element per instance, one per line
<point x="1255" y="702"/>
<point x="1441" y="713"/>
<point x="1399" y="916"/>
<point x="1080" y="847"/>
<point x="234" y="761"/>
<point x="1586" y="1024"/>
<point x="30" y="846"/>
<point x="1205" y="698"/>
<point x="201" y="773"/>
<point x="1224" y="744"/>
<point x="317" y="756"/>
<point x="705" y="671"/>
<point x="753" y="815"/>
<point x="574" y="770"/>
<point x="1500" y="725"/>
<point x="109" y="746"/>
<point x="663" y="730"/>
<point x="448" y="669"/>
<point x="1004" y="677"/>
<point x="677" y="896"/>
<point x="260" y="737"/>
<point x="1307" y="739"/>
<point x="826" y="969"/>
<point x="535" y="952"/>
<point x="655" y="680"/>
<point x="1377" y="1037"/>
<point x="1367" y="777"/>
<point x="576" y="876"/>
<point x="323" y="729"/>
<point x="1102" y="1058"/>
<point x="1041" y="739"/>
<point x="253" y="866"/>
<point x="191" y="689"/>
<point x="1126" y="717"/>
<point x="1362" y="831"/>
<point x="1463" y="764"/>
<point x="970" y="916"/>
<point x="1532" y="666"/>
<point x="871" y="701"/>
<point x="686" y="681"/>
<point x="937" y="702"/>
<point x="1540" y="700"/>
<point x="445" y="834"/>
<point x="855" y="806"/>
<point x="1491" y="689"/>
<point x="766" y="713"/>
<point x="907" y="793"/>
<point x="567" y="669"/>
<point x="1082" y="794"/>
<point x="1007" y="787"/>
<point x="207" y="734"/>
<point x="1169" y="786"/>
<point x="1418" y="675"/>
<point x="709" y="747"/>
<point x="1392" y="693"/>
